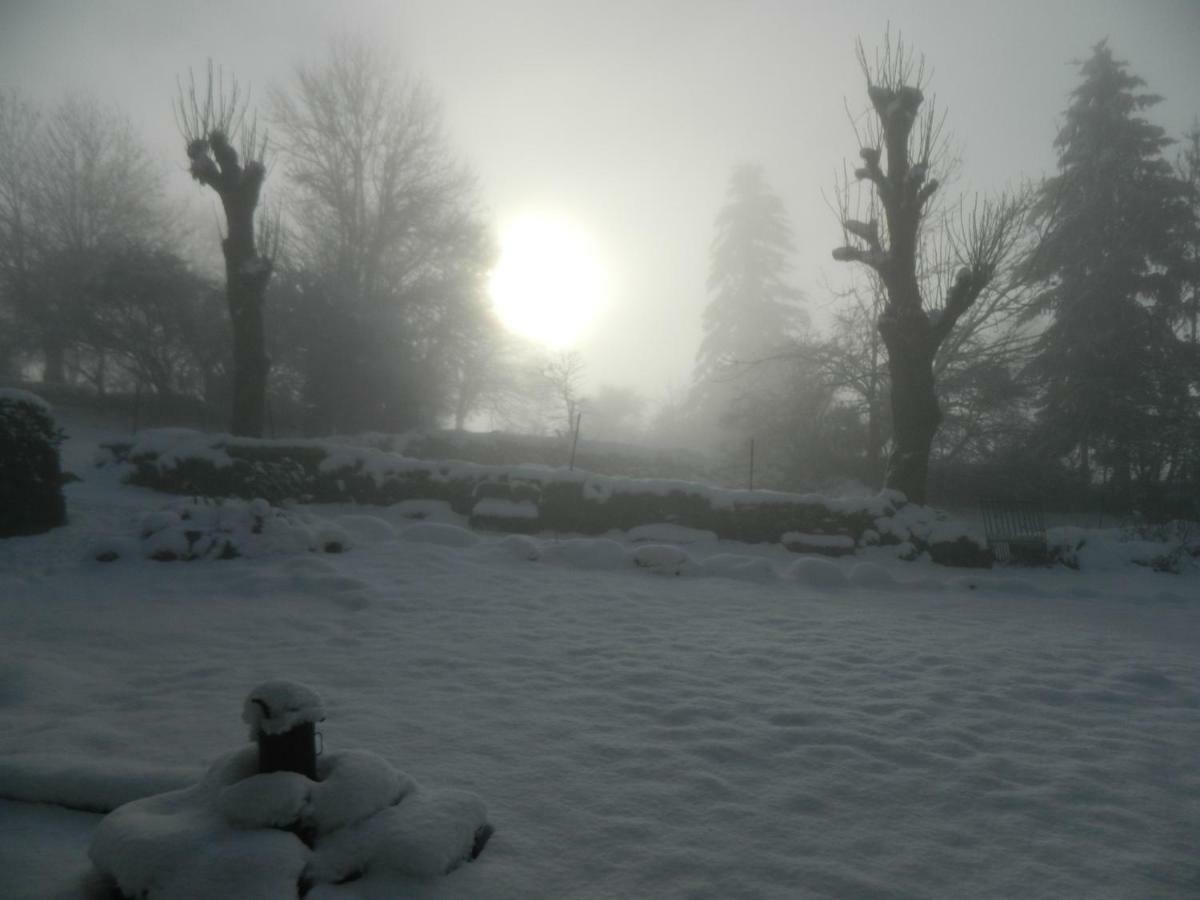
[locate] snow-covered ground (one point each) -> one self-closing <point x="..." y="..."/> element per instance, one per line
<point x="758" y="725"/>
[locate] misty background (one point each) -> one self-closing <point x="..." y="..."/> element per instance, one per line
<point x="624" y="122"/>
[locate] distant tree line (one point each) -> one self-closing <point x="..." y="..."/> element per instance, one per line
<point x="356" y="255"/>
<point x="1046" y="342"/>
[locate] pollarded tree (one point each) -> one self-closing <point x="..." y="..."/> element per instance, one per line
<point x="211" y="126"/>
<point x="1112" y="265"/>
<point x="899" y="150"/>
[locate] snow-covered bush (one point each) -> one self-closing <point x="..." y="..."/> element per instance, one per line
<point x="1179" y="540"/>
<point x="31" y="499"/>
<point x="225" y="529"/>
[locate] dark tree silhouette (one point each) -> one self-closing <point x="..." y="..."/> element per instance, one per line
<point x="898" y="151"/>
<point x="1110" y="364"/>
<point x="211" y="125"/>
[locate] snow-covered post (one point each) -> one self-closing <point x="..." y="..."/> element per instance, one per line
<point x="282" y="716"/>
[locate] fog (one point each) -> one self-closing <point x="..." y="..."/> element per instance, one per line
<point x="627" y="117"/>
<point x="673" y="217"/>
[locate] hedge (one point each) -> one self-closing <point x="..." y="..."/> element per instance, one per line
<point x="571" y="501"/>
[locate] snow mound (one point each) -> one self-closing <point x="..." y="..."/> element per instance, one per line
<point x="669" y="533"/>
<point x="517" y="546"/>
<point x="500" y="508"/>
<point x="588" y="553"/>
<point x="237" y="833"/>
<point x="79" y="782"/>
<point x="366" y="529"/>
<point x="662" y="559"/>
<point x="734" y="565"/>
<point x="440" y="534"/>
<point x="180" y="845"/>
<point x="871" y="575"/>
<point x="818" y="573"/>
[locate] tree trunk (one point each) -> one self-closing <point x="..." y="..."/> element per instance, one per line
<point x="915" y="412"/>
<point x="246" y="277"/>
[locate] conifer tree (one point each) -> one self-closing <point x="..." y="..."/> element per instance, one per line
<point x="1114" y="218"/>
<point x="753" y="309"/>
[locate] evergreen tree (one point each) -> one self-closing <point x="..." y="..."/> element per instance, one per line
<point x="753" y="309"/>
<point x="744" y="368"/>
<point x="1110" y="258"/>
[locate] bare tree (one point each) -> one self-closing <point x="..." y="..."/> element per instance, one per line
<point x="385" y="218"/>
<point x="563" y="372"/>
<point x="211" y="124"/>
<point x="898" y="149"/>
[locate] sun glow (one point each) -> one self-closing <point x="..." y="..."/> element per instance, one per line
<point x="549" y="283"/>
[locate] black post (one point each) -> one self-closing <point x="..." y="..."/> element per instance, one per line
<point x="292" y="751"/>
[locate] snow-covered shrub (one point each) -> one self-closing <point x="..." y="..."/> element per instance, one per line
<point x="31" y="499"/>
<point x="1179" y="540"/>
<point x="948" y="541"/>
<point x="226" y="529"/>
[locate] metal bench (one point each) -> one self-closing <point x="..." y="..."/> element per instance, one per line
<point x="1016" y="529"/>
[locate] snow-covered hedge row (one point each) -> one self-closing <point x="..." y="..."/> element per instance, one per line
<point x="527" y="498"/>
<point x="31" y="499"/>
<point x="200" y="529"/>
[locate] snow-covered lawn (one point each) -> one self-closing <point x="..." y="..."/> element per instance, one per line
<point x="915" y="732"/>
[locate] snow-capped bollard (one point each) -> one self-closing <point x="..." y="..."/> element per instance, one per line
<point x="282" y="716"/>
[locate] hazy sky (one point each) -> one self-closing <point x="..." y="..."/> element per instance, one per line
<point x="626" y="117"/>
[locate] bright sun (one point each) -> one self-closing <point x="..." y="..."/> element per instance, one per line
<point x="549" y="283"/>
